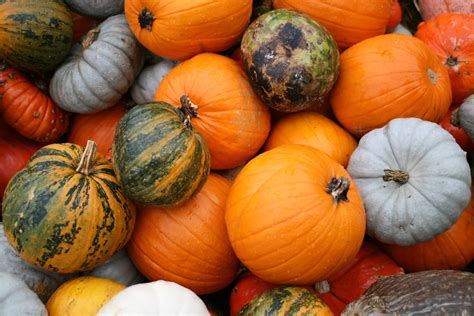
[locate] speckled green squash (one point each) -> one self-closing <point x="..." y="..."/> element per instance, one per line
<point x="291" y="60"/>
<point x="286" y="301"/>
<point x="35" y="35"/>
<point x="158" y="157"/>
<point x="65" y="214"/>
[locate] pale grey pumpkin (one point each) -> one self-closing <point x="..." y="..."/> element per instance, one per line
<point x="98" y="72"/>
<point x="16" y="298"/>
<point x="414" y="179"/>
<point x="144" y="88"/>
<point x="96" y="8"/>
<point x="466" y="116"/>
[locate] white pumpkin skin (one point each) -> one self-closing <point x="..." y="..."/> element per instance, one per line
<point x="144" y="88"/>
<point x="400" y="29"/>
<point x="16" y="298"/>
<point x="437" y="189"/>
<point x="96" y="8"/>
<point x="466" y="116"/>
<point x="95" y="78"/>
<point x="155" y="298"/>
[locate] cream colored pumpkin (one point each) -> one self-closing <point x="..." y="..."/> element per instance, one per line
<point x="16" y="299"/>
<point x="144" y="88"/>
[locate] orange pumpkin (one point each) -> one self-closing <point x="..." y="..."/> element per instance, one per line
<point x="450" y="36"/>
<point x="386" y="77"/>
<point x="451" y="250"/>
<point x="187" y="244"/>
<point x="315" y="130"/>
<point x="349" y="21"/>
<point x="216" y="96"/>
<point x="294" y="216"/>
<point x="178" y="30"/>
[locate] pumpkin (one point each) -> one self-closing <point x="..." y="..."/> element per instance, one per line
<point x="82" y="25"/>
<point x="230" y="116"/>
<point x="155" y="298"/>
<point x="421" y="293"/>
<point x="432" y="8"/>
<point x="452" y="124"/>
<point x="349" y="22"/>
<point x="414" y="179"/>
<point x="17" y="299"/>
<point x="100" y="70"/>
<point x="297" y="237"/>
<point x="387" y="77"/>
<point x="395" y="16"/>
<point x="291" y="60"/>
<point x="400" y="29"/>
<point x="190" y="27"/>
<point x="82" y="296"/>
<point x="450" y="37"/>
<point x="99" y="127"/>
<point x="315" y="130"/>
<point x="158" y="156"/>
<point x="289" y="300"/>
<point x="98" y="9"/>
<point x="35" y="36"/>
<point x="29" y="109"/>
<point x="144" y="88"/>
<point x="466" y="116"/>
<point x="65" y="211"/>
<point x="187" y="244"/>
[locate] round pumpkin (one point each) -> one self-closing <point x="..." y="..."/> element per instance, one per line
<point x="315" y="130"/>
<point x="98" y="9"/>
<point x="229" y="115"/>
<point x="65" y="211"/>
<point x="348" y="21"/>
<point x="158" y="156"/>
<point x="466" y="116"/>
<point x="414" y="179"/>
<point x="179" y="30"/>
<point x="432" y="8"/>
<point x="294" y="216"/>
<point x="187" y="244"/>
<point x="144" y="88"/>
<point x="17" y="299"/>
<point x="452" y="123"/>
<point x="395" y="16"/>
<point x="387" y="77"/>
<point x="450" y="37"/>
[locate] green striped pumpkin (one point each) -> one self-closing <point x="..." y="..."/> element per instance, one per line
<point x="287" y="301"/>
<point x="65" y="211"/>
<point x="158" y="157"/>
<point x="35" y="35"/>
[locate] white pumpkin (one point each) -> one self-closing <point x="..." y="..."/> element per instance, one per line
<point x="400" y="29"/>
<point x="155" y="298"/>
<point x="98" y="9"/>
<point x="98" y="72"/>
<point x="466" y="116"/>
<point x="144" y="88"/>
<point x="16" y="298"/>
<point x="414" y="179"/>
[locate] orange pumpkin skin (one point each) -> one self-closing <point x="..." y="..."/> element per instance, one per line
<point x="187" y="244"/>
<point x="349" y="22"/>
<point x="315" y="130"/>
<point x="178" y="30"/>
<point x="386" y="77"/>
<point x="450" y="36"/>
<point x="283" y="222"/>
<point x="451" y="250"/>
<point x="230" y="116"/>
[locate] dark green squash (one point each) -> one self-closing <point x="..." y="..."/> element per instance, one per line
<point x="158" y="157"/>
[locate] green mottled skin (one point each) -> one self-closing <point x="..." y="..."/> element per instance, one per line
<point x="151" y="143"/>
<point x="291" y="60"/>
<point x="35" y="35"/>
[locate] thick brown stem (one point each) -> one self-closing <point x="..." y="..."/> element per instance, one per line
<point x="322" y="287"/>
<point x="338" y="188"/>
<point x="454" y="119"/>
<point x="451" y="61"/>
<point x="146" y="19"/>
<point x="399" y="176"/>
<point x="87" y="160"/>
<point x="90" y="38"/>
<point x="189" y="109"/>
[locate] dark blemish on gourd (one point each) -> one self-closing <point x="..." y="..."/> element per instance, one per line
<point x="291" y="36"/>
<point x="53" y="22"/>
<point x="294" y="87"/>
<point x="22" y="18"/>
<point x="29" y="34"/>
<point x="277" y="71"/>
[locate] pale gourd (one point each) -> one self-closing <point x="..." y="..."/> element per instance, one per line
<point x="98" y="9"/>
<point x="144" y="88"/>
<point x="16" y="298"/>
<point x="466" y="116"/>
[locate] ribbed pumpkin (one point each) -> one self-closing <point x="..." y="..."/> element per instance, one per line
<point x="386" y="77"/>
<point x="348" y="21"/>
<point x="178" y="30"/>
<point x="315" y="130"/>
<point x="450" y="36"/>
<point x="158" y="157"/>
<point x="35" y="35"/>
<point x="144" y="88"/>
<point x="65" y="211"/>
<point x="294" y="216"/>
<point x="432" y="8"/>
<point x="215" y="95"/>
<point x="188" y="244"/>
<point x="29" y="109"/>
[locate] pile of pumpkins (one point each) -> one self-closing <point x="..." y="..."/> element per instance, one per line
<point x="235" y="158"/>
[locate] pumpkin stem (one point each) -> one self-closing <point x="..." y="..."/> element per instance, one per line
<point x="338" y="188"/>
<point x="454" y="118"/>
<point x="189" y="110"/>
<point x="322" y="287"/>
<point x="90" y="38"/>
<point x="146" y="19"/>
<point x="452" y="61"/>
<point x="87" y="159"/>
<point x="399" y="176"/>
